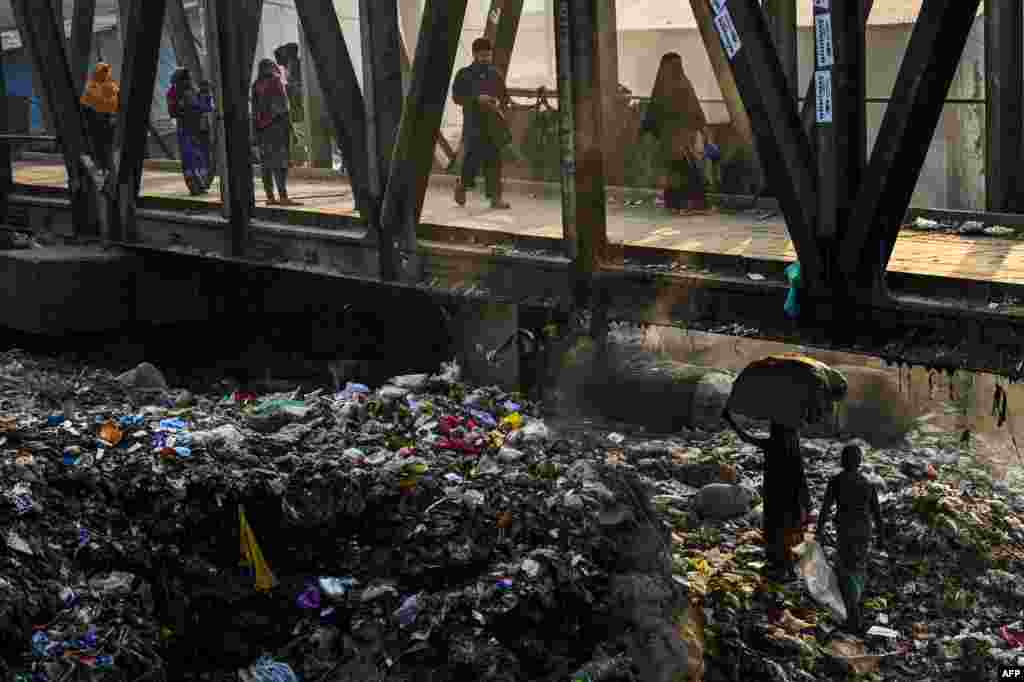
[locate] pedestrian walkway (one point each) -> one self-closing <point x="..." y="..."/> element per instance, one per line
<point x="981" y="258"/>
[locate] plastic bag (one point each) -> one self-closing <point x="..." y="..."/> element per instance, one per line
<point x="821" y="580"/>
<point x="792" y="305"/>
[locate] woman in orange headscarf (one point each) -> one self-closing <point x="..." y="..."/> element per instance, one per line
<point x="101" y="101"/>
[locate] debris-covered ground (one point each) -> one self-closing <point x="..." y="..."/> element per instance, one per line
<point x="428" y="530"/>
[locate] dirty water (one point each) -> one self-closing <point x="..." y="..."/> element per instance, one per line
<point x="886" y="403"/>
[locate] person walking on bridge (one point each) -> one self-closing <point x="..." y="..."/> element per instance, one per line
<point x="787" y="498"/>
<point x="101" y="100"/>
<point x="272" y="130"/>
<point x="480" y="90"/>
<point x="857" y="502"/>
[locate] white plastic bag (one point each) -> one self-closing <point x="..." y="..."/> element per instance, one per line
<point x="821" y="580"/>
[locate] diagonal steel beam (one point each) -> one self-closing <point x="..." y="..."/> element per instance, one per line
<point x="185" y="50"/>
<point x="342" y="93"/>
<point x="413" y="158"/>
<point x="781" y="141"/>
<point x="213" y="69"/>
<point x="143" y="29"/>
<point x="911" y="118"/>
<point x="82" y="21"/>
<point x="44" y="39"/>
<point x="236" y="58"/>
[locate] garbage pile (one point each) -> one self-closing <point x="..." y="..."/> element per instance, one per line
<point x="369" y="534"/>
<point x="427" y="529"/>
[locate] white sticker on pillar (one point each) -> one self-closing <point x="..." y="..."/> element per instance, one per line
<point x="823" y="96"/>
<point x="823" y="4"/>
<point x="718" y="6"/>
<point x="823" y="40"/>
<point x="728" y="33"/>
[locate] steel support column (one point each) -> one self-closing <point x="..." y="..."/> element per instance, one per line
<point x="841" y="130"/>
<point x="922" y="85"/>
<point x="6" y="169"/>
<point x="1004" y="51"/>
<point x="382" y="95"/>
<point x="781" y="141"/>
<point x="566" y="123"/>
<point x="250" y="16"/>
<point x="81" y="42"/>
<point x="235" y="58"/>
<point x="807" y="111"/>
<point x="341" y="90"/>
<point x="424" y="106"/>
<point x="44" y="39"/>
<point x="185" y="50"/>
<point x="144" y="28"/>
<point x="782" y="21"/>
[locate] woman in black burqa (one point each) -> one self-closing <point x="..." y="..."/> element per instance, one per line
<point x="675" y="117"/>
<point x="787" y="497"/>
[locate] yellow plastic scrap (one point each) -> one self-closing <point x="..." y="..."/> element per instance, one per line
<point x="512" y="422"/>
<point x="497" y="439"/>
<point x="252" y="557"/>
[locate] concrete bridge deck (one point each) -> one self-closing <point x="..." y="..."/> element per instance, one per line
<point x="741" y="235"/>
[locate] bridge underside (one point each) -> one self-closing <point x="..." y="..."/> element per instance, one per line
<point x="935" y="321"/>
<point x="843" y="207"/>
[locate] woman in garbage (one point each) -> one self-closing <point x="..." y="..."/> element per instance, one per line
<point x="675" y="117"/>
<point x="787" y="498"/>
<point x="187" y="105"/>
<point x="272" y="130"/>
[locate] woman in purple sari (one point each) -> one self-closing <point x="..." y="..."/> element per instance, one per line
<point x="187" y="105"/>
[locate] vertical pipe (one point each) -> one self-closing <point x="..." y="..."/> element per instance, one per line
<point x="566" y="123"/>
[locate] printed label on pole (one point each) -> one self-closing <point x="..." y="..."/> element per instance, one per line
<point x="728" y="33"/>
<point x="822" y="4"/>
<point x="495" y="16"/>
<point x="823" y="92"/>
<point x="823" y="40"/>
<point x="718" y="6"/>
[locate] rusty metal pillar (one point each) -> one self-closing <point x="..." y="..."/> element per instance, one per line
<point x="1004" y="51"/>
<point x="214" y="69"/>
<point x="583" y="174"/>
<point x="840" y="118"/>
<point x="236" y="58"/>
<point x="144" y="28"/>
<point x="182" y="39"/>
<point x="413" y="157"/>
<point x="383" y="96"/>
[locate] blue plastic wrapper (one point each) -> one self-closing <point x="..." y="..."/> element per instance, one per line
<point x="160" y="440"/>
<point x="132" y="420"/>
<point x="337" y="587"/>
<point x="172" y="424"/>
<point x="511" y="407"/>
<point x="69" y="598"/>
<point x="484" y="418"/>
<point x="83" y="537"/>
<point x="267" y="669"/>
<point x="55" y="420"/>
<point x="183" y="452"/>
<point x="408" y="611"/>
<point x="40" y="643"/>
<point x="505" y="584"/>
<point x="72" y="456"/>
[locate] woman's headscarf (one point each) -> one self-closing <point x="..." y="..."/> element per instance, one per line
<point x="102" y="93"/>
<point x="673" y="101"/>
<point x="269" y="96"/>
